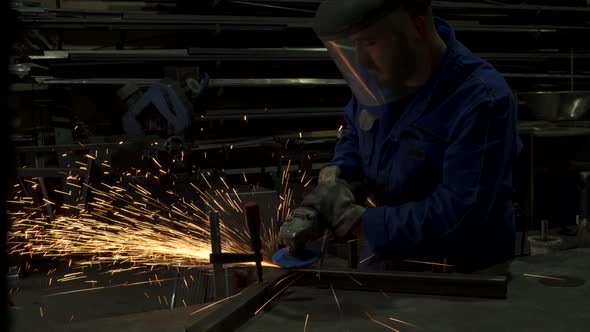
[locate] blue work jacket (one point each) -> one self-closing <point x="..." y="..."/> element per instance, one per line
<point x="439" y="165"/>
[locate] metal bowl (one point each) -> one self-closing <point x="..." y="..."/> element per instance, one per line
<point x="557" y="106"/>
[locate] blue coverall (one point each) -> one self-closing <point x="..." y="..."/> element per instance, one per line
<point x="440" y="165"/>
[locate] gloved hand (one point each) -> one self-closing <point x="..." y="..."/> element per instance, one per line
<point x="329" y="173"/>
<point x="336" y="204"/>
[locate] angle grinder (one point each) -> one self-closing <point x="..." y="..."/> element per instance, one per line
<point x="297" y="233"/>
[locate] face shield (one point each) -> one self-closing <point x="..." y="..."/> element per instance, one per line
<point x="379" y="59"/>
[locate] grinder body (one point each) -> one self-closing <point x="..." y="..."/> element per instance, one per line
<point x="303" y="226"/>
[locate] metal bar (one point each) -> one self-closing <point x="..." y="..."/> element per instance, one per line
<point x="69" y="147"/>
<point x="229" y="54"/>
<point x="544" y="229"/>
<point x="533" y="75"/>
<point x="522" y="7"/>
<point x="467" y="5"/>
<point x="269" y="169"/>
<point x="268" y="82"/>
<point x="252" y="220"/>
<point x="130" y="25"/>
<point x="218" y="273"/>
<point x="86" y="182"/>
<point x="215" y="82"/>
<point x="147" y="26"/>
<point x="47" y="172"/>
<point x="233" y="313"/>
<point x="414" y="283"/>
<point x="585" y="196"/>
<point x="290" y="113"/>
<point x="215" y="22"/>
<point x="435" y="5"/>
<point x="160" y="21"/>
<point x="265" y="82"/>
<point x="273" y="7"/>
<point x="227" y="258"/>
<point x="46" y="196"/>
<point x="531" y="198"/>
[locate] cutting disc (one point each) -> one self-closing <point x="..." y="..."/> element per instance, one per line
<point x="308" y="256"/>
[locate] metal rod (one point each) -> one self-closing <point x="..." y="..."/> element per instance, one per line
<point x="585" y="196"/>
<point x="265" y="82"/>
<point x="413" y="283"/>
<point x="254" y="54"/>
<point x="544" y="229"/>
<point x="252" y="219"/>
<point x="572" y="69"/>
<point x="233" y="313"/>
<point x="40" y="163"/>
<point x="470" y="5"/>
<point x="435" y="4"/>
<point x="532" y="178"/>
<point x="70" y="147"/>
<point x="82" y="198"/>
<point x="218" y="274"/>
<point x="141" y="21"/>
<point x="506" y="7"/>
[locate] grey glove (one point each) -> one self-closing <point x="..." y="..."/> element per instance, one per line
<point x="336" y="204"/>
<point x="329" y="173"/>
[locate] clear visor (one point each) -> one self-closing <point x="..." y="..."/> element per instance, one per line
<point x="376" y="62"/>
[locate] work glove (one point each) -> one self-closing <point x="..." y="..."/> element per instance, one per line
<point x="336" y="206"/>
<point x="329" y="173"/>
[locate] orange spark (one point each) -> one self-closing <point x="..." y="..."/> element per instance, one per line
<point x="378" y="322"/>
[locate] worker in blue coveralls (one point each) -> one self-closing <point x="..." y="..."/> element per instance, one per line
<point x="432" y="130"/>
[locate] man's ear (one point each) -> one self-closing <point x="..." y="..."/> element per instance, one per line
<point x="420" y="25"/>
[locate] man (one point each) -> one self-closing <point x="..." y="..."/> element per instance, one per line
<point x="431" y="128"/>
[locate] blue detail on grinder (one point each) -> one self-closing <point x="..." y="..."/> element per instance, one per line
<point x="307" y="256"/>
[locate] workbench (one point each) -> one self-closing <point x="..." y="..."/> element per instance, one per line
<point x="532" y="304"/>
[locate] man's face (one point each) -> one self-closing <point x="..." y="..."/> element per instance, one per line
<point x="385" y="53"/>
